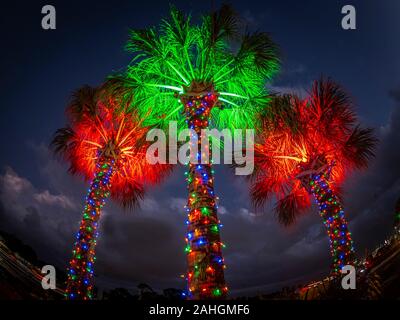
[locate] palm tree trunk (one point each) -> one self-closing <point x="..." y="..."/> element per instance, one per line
<point x="332" y="213"/>
<point x="80" y="272"/>
<point x="205" y="274"/>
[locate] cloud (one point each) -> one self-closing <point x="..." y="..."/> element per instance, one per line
<point x="144" y="249"/>
<point x="40" y="218"/>
<point x="247" y="214"/>
<point x="177" y="203"/>
<point x="299" y="90"/>
<point x="253" y="20"/>
<point x="58" y="200"/>
<point x="150" y="205"/>
<point x="222" y="210"/>
<point x="12" y="183"/>
<point x="132" y="246"/>
<point x="146" y="245"/>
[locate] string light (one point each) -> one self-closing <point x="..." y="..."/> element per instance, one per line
<point x="205" y="275"/>
<point x="80" y="271"/>
<point x="332" y="213"/>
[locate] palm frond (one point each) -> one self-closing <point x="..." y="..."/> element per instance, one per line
<point x="116" y="93"/>
<point x="291" y="206"/>
<point x="145" y="41"/>
<point x="332" y="106"/>
<point x="261" y="191"/>
<point x="258" y="51"/>
<point x="282" y="112"/>
<point x="224" y="24"/>
<point x="129" y="196"/>
<point x="62" y="140"/>
<point x="83" y="101"/>
<point x="360" y="147"/>
<point x="177" y="28"/>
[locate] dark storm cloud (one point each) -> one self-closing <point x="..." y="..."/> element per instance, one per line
<point x="260" y="253"/>
<point x="39" y="218"/>
<point x="132" y="246"/>
<point x="143" y="249"/>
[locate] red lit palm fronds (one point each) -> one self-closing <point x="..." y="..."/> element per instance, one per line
<point x="331" y="130"/>
<point x="305" y="137"/>
<point x="307" y="151"/>
<point x="279" y="149"/>
<point x="97" y="127"/>
<point x="106" y="145"/>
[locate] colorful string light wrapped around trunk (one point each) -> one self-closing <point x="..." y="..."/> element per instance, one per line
<point x="80" y="271"/>
<point x="205" y="274"/>
<point x="332" y="213"/>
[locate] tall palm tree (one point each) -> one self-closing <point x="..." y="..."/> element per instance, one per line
<point x="307" y="148"/>
<point x="202" y="76"/>
<point x="106" y="147"/>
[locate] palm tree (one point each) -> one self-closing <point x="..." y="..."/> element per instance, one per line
<point x="307" y="148"/>
<point x="105" y="147"/>
<point x="201" y="76"/>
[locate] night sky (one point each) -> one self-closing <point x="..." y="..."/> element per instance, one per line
<point x="41" y="203"/>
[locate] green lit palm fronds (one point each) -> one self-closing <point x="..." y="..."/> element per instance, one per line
<point x="170" y="57"/>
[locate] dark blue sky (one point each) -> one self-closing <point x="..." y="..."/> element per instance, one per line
<point x="39" y="70"/>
